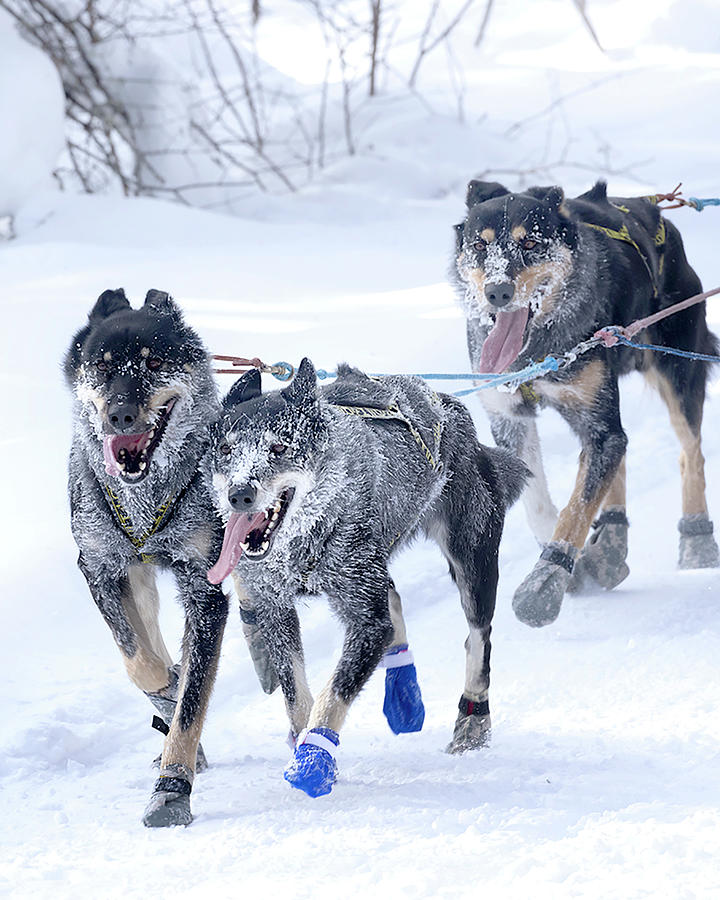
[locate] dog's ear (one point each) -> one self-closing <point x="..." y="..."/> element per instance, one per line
<point x="480" y="191"/>
<point x="247" y="387"/>
<point x="303" y="388"/>
<point x="596" y="194"/>
<point x="555" y="196"/>
<point x="161" y="303"/>
<point x="107" y="303"/>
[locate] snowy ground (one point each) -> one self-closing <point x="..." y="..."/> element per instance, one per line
<point x="601" y="780"/>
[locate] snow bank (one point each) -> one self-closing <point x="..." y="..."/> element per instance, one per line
<point x="31" y="112"/>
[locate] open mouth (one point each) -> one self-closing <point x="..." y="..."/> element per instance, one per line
<point x="251" y="534"/>
<point x="503" y="344"/>
<point x="128" y="456"/>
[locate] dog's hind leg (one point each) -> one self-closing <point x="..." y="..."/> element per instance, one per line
<point x="601" y="563"/>
<point x="402" y="705"/>
<point x="206" y="610"/>
<point x="473" y="558"/>
<point x="698" y="548"/>
<point x="681" y="383"/>
<point x="520" y="437"/>
<point x="590" y="404"/>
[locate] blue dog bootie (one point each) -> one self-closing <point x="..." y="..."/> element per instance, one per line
<point x="313" y="768"/>
<point x="403" y="706"/>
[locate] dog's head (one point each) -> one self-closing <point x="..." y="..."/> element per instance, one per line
<point x="143" y="383"/>
<point x="513" y="254"/>
<point x="267" y="458"/>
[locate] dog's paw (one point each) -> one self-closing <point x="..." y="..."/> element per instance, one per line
<point x="698" y="548"/>
<point x="313" y="768"/>
<point x="601" y="563"/>
<point x="538" y="600"/>
<point x="403" y="706"/>
<point x="472" y="727"/>
<point x="169" y="802"/>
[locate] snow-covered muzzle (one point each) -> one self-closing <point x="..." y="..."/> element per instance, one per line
<point x="128" y="456"/>
<point x="251" y="534"/>
<point x="535" y="289"/>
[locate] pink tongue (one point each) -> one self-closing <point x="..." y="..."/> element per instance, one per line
<point x="505" y="341"/>
<point x="114" y="443"/>
<point x="236" y="532"/>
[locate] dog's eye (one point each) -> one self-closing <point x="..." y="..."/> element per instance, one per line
<point x="224" y="448"/>
<point x="278" y="449"/>
<point x="529" y="244"/>
<point x="154" y="362"/>
<point x="479" y="245"/>
<point x="101" y="366"/>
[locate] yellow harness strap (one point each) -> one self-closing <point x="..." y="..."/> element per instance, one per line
<point x="624" y="235"/>
<point x="126" y="524"/>
<point x="394" y="412"/>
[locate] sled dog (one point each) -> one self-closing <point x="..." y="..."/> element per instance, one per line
<point x="537" y="273"/>
<point x="144" y="400"/>
<point x="318" y="489"/>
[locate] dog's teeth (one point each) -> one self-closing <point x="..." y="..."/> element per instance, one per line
<point x="143" y="466"/>
<point x="151" y="433"/>
<point x="265" y="545"/>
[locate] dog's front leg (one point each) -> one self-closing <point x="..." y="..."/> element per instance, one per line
<point x="113" y="597"/>
<point x="369" y="631"/>
<point x="259" y="653"/>
<point x="280" y="629"/>
<point x="520" y="437"/>
<point x="597" y="423"/>
<point x="206" y="610"/>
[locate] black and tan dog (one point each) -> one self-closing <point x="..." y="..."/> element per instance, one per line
<point x="144" y="401"/>
<point x="536" y="274"/>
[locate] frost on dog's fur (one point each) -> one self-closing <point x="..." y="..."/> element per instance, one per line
<point x="568" y="268"/>
<point x="360" y="486"/>
<point x="144" y="400"/>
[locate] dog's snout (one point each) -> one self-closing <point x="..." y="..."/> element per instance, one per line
<point x="500" y="294"/>
<point x="123" y="416"/>
<point x="241" y="498"/>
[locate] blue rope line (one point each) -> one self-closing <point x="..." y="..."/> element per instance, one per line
<point x="284" y="371"/>
<point x="688" y="354"/>
<point x="701" y="204"/>
<point x="489" y="379"/>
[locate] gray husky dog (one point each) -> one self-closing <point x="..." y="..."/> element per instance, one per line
<point x="319" y="488"/>
<point x="144" y="402"/>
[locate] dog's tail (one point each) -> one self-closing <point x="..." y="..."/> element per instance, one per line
<point x="512" y="474"/>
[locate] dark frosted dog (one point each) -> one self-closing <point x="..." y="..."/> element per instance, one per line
<point x="536" y="274"/>
<point x="319" y="488"/>
<point x="144" y="401"/>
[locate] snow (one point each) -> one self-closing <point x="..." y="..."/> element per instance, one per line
<point x="31" y="110"/>
<point x="601" y="779"/>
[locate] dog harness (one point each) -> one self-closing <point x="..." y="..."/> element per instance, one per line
<point x="125" y="522"/>
<point x="394" y="412"/>
<point x="624" y="235"/>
